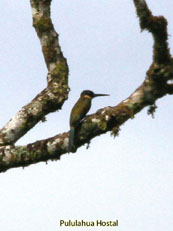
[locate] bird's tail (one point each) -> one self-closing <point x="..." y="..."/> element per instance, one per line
<point x="71" y="139"/>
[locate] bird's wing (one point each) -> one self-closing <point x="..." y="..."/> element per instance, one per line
<point x="79" y="111"/>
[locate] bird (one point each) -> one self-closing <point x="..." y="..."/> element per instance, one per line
<point x="79" y="111"/>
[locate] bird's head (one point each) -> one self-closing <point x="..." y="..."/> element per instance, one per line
<point x="90" y="94"/>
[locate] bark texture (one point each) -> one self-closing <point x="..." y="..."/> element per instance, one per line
<point x="56" y="92"/>
<point x="155" y="85"/>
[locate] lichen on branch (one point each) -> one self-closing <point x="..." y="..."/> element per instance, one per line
<point x="155" y="85"/>
<point x="54" y="95"/>
<point x="157" y="25"/>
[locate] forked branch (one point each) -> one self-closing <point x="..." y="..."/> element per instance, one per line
<point x="155" y="86"/>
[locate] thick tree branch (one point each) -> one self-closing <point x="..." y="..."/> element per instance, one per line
<point x="157" y="25"/>
<point x="56" y="92"/>
<point x="104" y="120"/>
<point x="155" y="86"/>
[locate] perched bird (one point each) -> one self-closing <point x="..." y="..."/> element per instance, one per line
<point x="79" y="111"/>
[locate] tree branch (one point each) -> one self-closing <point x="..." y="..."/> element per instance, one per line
<point x="104" y="120"/>
<point x="107" y="119"/>
<point x="157" y="25"/>
<point x="56" y="92"/>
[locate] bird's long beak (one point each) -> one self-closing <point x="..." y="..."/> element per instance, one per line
<point x="95" y="95"/>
